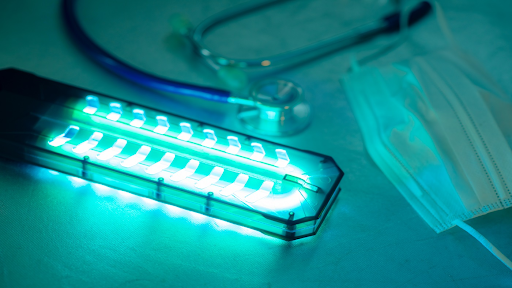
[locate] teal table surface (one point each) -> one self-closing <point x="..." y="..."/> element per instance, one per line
<point x="60" y="231"/>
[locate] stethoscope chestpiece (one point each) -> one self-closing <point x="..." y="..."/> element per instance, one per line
<point x="279" y="108"/>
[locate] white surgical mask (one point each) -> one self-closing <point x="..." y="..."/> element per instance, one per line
<point x="441" y="131"/>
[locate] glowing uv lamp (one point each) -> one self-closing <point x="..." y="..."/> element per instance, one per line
<point x="278" y="190"/>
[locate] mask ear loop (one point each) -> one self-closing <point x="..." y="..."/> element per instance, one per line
<point x="445" y="29"/>
<point x="451" y="40"/>
<point x="448" y="35"/>
<point x="356" y="63"/>
<point x="484" y="242"/>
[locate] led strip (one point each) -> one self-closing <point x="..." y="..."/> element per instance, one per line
<point x="165" y="162"/>
<point x="186" y="132"/>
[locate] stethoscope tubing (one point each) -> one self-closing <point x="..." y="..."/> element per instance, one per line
<point x="387" y="24"/>
<point x="127" y="71"/>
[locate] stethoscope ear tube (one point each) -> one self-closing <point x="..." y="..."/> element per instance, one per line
<point x="392" y="22"/>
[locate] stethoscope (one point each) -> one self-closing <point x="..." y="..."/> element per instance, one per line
<point x="273" y="107"/>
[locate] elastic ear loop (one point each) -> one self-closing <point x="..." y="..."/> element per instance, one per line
<point x="447" y="33"/>
<point x="403" y="34"/>
<point x="449" y="36"/>
<point x="484" y="242"/>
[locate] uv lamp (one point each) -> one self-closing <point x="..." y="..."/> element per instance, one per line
<point x="278" y="190"/>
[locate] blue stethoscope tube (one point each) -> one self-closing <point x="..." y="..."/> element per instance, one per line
<point x="388" y="24"/>
<point x="129" y="72"/>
